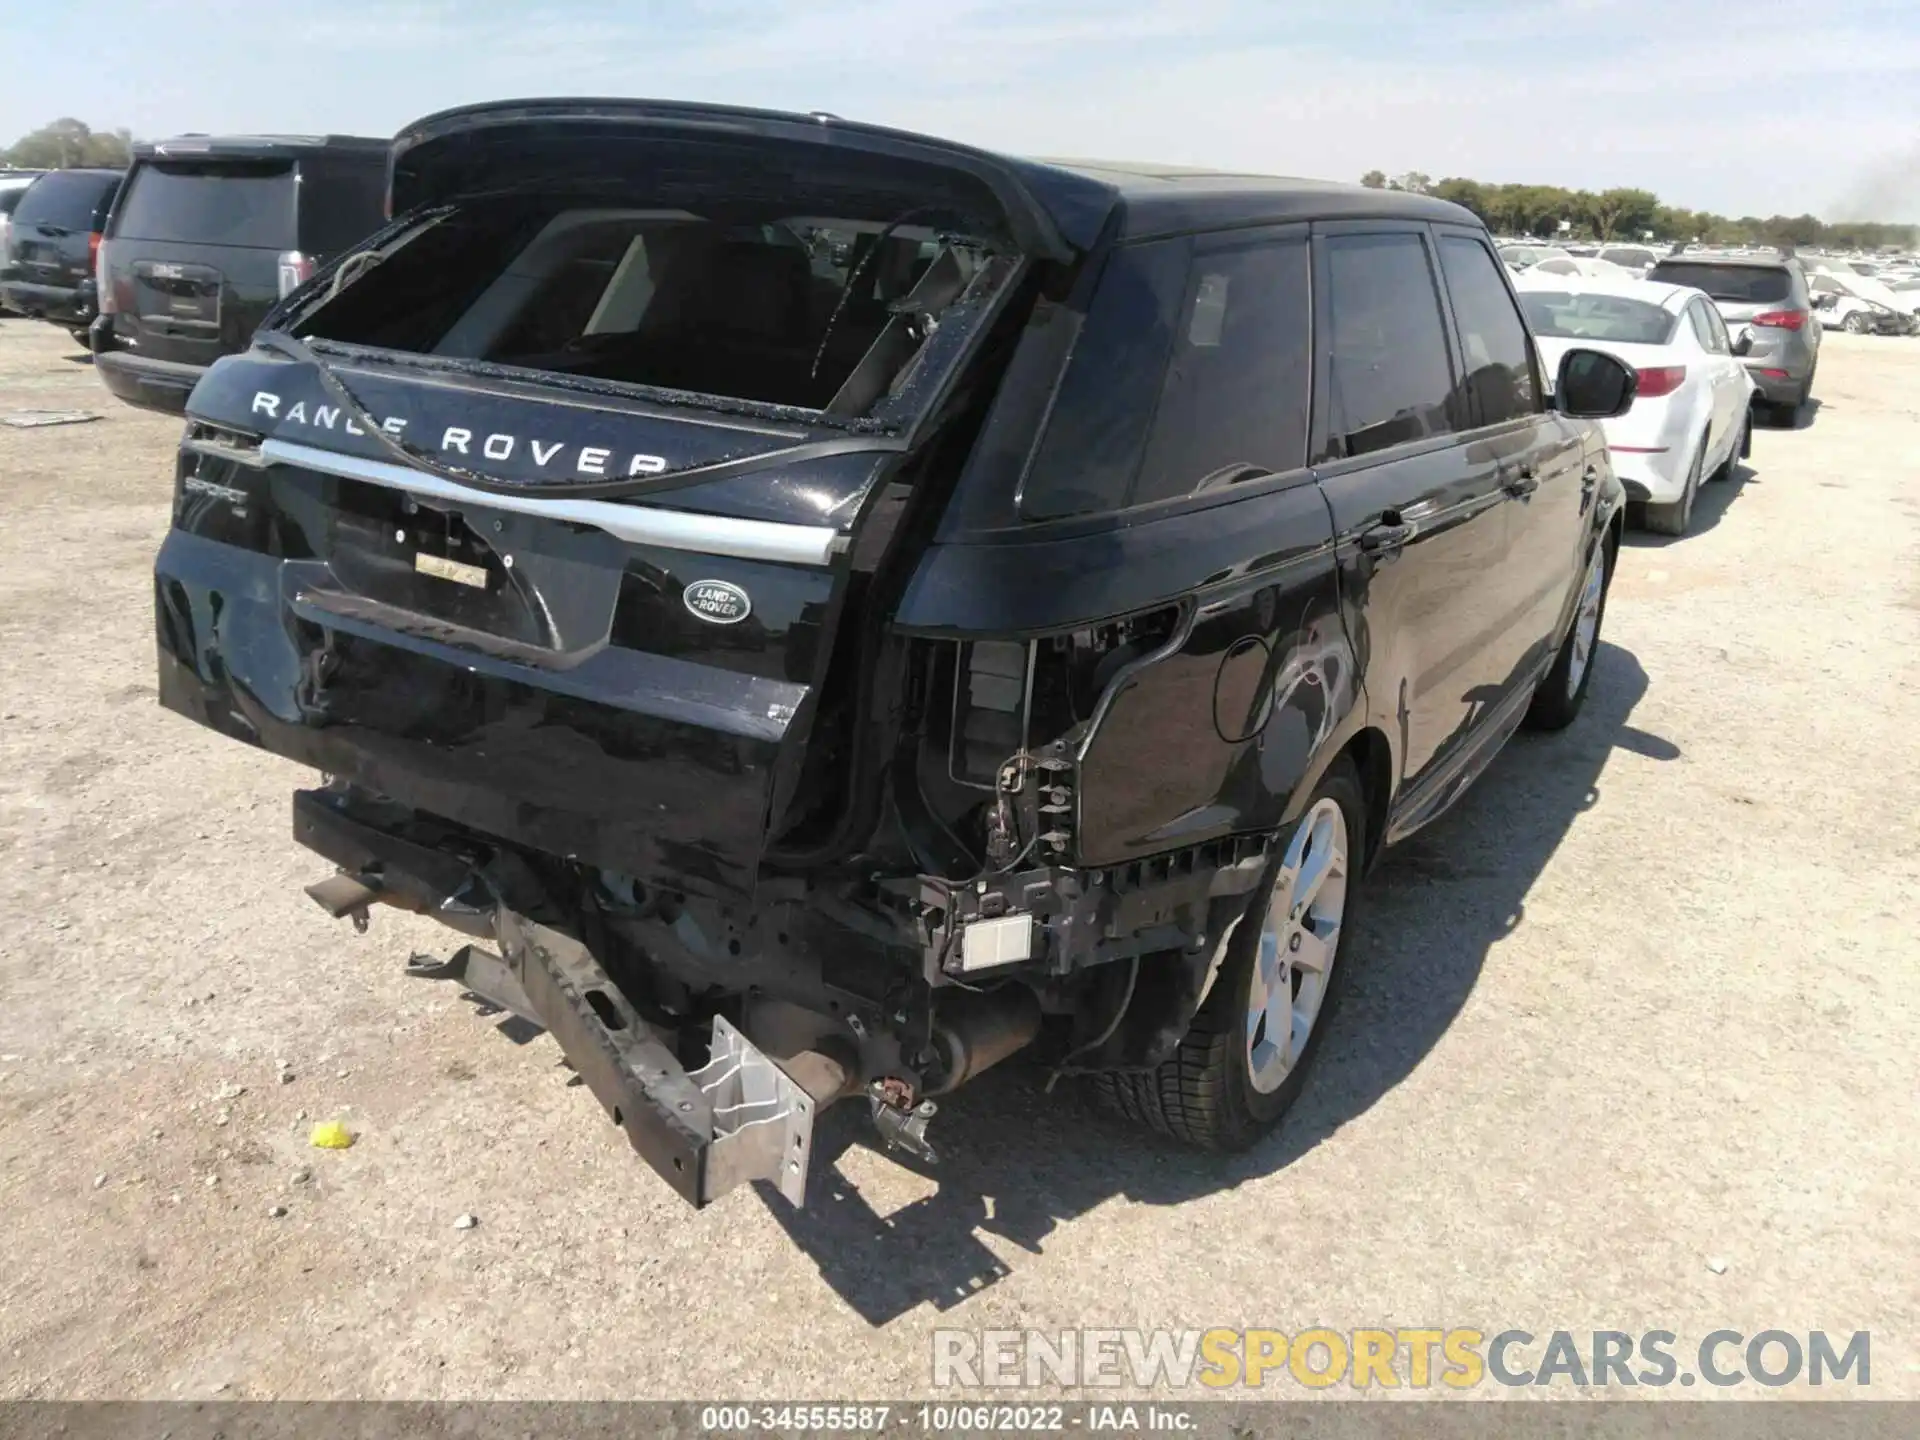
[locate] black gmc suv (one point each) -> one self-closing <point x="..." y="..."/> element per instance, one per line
<point x="51" y="245"/>
<point x="209" y="233"/>
<point x="824" y="610"/>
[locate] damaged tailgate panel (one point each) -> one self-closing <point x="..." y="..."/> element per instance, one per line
<point x="588" y="697"/>
<point x="473" y="544"/>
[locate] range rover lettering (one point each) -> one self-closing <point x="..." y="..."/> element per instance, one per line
<point x="822" y="611"/>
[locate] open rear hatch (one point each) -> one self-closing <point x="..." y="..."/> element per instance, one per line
<point x="564" y="508"/>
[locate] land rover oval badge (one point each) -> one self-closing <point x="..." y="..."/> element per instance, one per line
<point x="717" y="602"/>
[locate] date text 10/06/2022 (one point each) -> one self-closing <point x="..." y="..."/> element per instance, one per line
<point x="944" y="1418"/>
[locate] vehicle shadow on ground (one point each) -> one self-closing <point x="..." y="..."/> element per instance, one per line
<point x="1016" y="1163"/>
<point x="1803" y="417"/>
<point x="1710" y="507"/>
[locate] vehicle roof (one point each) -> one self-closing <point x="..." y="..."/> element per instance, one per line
<point x="262" y="147"/>
<point x="1168" y="199"/>
<point x="97" y="172"/>
<point x="1078" y="197"/>
<point x="1653" y="292"/>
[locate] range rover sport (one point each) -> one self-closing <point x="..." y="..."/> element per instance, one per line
<point x="823" y="610"/>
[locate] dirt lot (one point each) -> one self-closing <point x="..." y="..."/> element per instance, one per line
<point x="1646" y="999"/>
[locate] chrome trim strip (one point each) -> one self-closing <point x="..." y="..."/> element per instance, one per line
<point x="638" y="524"/>
<point x="220" y="450"/>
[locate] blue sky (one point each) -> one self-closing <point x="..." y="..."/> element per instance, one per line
<point x="1739" y="106"/>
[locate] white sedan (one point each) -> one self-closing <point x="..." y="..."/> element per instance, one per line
<point x="1692" y="419"/>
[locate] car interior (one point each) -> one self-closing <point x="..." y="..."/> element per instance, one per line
<point x="819" y="314"/>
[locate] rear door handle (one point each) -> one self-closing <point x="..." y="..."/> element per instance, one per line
<point x="1386" y="538"/>
<point x="1522" y="483"/>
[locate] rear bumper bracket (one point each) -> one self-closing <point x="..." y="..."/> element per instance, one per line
<point x="737" y="1118"/>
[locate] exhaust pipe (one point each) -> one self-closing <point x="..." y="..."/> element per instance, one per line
<point x="974" y="1031"/>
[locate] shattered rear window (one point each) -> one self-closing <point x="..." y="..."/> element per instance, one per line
<point x="790" y="310"/>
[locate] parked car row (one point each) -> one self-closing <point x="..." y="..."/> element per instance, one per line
<point x="52" y="243"/>
<point x="13" y="186"/>
<point x="1862" y="304"/>
<point x="1521" y="256"/>
<point x="163" y="268"/>
<point x="1691" y="417"/>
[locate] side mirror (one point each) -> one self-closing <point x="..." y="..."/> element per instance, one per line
<point x="1744" y="344"/>
<point x="1594" y="386"/>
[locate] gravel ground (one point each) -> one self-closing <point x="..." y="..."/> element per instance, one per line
<point x="1644" y="1000"/>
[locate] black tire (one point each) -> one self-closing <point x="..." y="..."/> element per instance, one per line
<point x="1737" y="451"/>
<point x="1855" y="324"/>
<point x="1204" y="1095"/>
<point x="1673" y="517"/>
<point x="1556" y="702"/>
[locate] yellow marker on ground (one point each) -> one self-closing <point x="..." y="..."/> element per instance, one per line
<point x="330" y="1135"/>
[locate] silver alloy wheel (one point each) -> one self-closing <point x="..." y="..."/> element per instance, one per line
<point x="1586" y="621"/>
<point x="1299" y="941"/>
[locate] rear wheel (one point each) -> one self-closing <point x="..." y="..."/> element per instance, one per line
<point x="1673" y="517"/>
<point x="1738" y="451"/>
<point x="1563" y="689"/>
<point x="1855" y="324"/>
<point x="1246" y="1054"/>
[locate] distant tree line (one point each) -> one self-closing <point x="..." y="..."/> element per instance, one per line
<point x="67" y="143"/>
<point x="1632" y="214"/>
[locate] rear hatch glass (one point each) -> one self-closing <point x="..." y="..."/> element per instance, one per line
<point x="48" y="238"/>
<point x="1576" y="315"/>
<point x="230" y="204"/>
<point x="1728" y="284"/>
<point x="71" y="201"/>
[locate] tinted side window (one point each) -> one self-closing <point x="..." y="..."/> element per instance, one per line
<point x="1391" y="378"/>
<point x="1492" y="335"/>
<point x="1702" y="328"/>
<point x="340" y="204"/>
<point x="1091" y="447"/>
<point x="1722" y="342"/>
<point x="1237" y="384"/>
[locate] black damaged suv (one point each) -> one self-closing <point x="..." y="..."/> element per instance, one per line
<point x="825" y="610"/>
